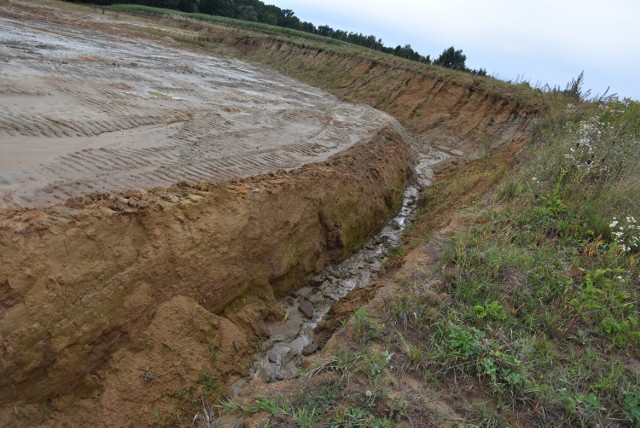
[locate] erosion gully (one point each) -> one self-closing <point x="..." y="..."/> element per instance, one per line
<point x="292" y="338"/>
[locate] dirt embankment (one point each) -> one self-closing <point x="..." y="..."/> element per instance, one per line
<point x="80" y="283"/>
<point x="126" y="307"/>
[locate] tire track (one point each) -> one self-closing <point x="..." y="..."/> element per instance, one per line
<point x="103" y="115"/>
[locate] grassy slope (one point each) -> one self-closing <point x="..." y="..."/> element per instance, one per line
<point x="544" y="310"/>
<point x="533" y="318"/>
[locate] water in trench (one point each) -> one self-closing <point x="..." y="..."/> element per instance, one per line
<point x="292" y="338"/>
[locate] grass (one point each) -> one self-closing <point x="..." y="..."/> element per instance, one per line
<point x="544" y="314"/>
<point x="365" y="328"/>
<point x="327" y="404"/>
<point x="346" y="391"/>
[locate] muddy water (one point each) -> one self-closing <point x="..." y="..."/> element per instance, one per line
<point x="293" y="338"/>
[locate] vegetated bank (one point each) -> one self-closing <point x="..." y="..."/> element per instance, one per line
<point x="123" y="315"/>
<point x="515" y="302"/>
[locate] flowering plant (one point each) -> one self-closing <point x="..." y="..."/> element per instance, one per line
<point x="626" y="233"/>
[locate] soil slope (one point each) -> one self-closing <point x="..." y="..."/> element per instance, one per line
<point x="127" y="307"/>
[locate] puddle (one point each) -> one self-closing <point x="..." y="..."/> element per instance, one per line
<point x="293" y="338"/>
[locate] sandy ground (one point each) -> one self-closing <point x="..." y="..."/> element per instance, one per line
<point x="84" y="112"/>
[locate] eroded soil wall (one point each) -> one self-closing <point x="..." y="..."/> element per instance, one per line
<point x="447" y="107"/>
<point x="78" y="283"/>
<point x="113" y="306"/>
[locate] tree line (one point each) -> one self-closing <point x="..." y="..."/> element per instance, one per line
<point x="257" y="11"/>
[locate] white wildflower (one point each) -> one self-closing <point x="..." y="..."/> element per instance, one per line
<point x="627" y="234"/>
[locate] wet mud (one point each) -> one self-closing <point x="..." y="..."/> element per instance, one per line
<point x="82" y="112"/>
<point x="294" y="337"/>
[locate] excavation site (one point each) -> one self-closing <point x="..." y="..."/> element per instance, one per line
<point x="190" y="211"/>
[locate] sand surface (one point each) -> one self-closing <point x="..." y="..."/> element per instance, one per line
<point x="82" y="111"/>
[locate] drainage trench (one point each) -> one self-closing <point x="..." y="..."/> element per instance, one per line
<point x="292" y="338"/>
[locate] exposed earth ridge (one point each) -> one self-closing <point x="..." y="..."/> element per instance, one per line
<point x="117" y="303"/>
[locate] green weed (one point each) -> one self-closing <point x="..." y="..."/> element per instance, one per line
<point x="374" y="364"/>
<point x="365" y="327"/>
<point x="632" y="406"/>
<point x="208" y="381"/>
<point x="358" y="417"/>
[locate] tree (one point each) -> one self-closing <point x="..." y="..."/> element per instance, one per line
<point x="340" y="35"/>
<point x="452" y="58"/>
<point x="479" y="72"/>
<point x="188" y="5"/>
<point x="169" y="4"/>
<point x="288" y="19"/>
<point x="267" y="14"/>
<point x="217" y="7"/>
<point x="246" y="13"/>
<point x="325" y="30"/>
<point x="308" y="27"/>
<point x="406" y="51"/>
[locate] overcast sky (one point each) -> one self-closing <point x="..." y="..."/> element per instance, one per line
<point x="541" y="41"/>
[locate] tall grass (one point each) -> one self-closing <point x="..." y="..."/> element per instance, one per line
<point x="545" y="290"/>
<point x="596" y="145"/>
